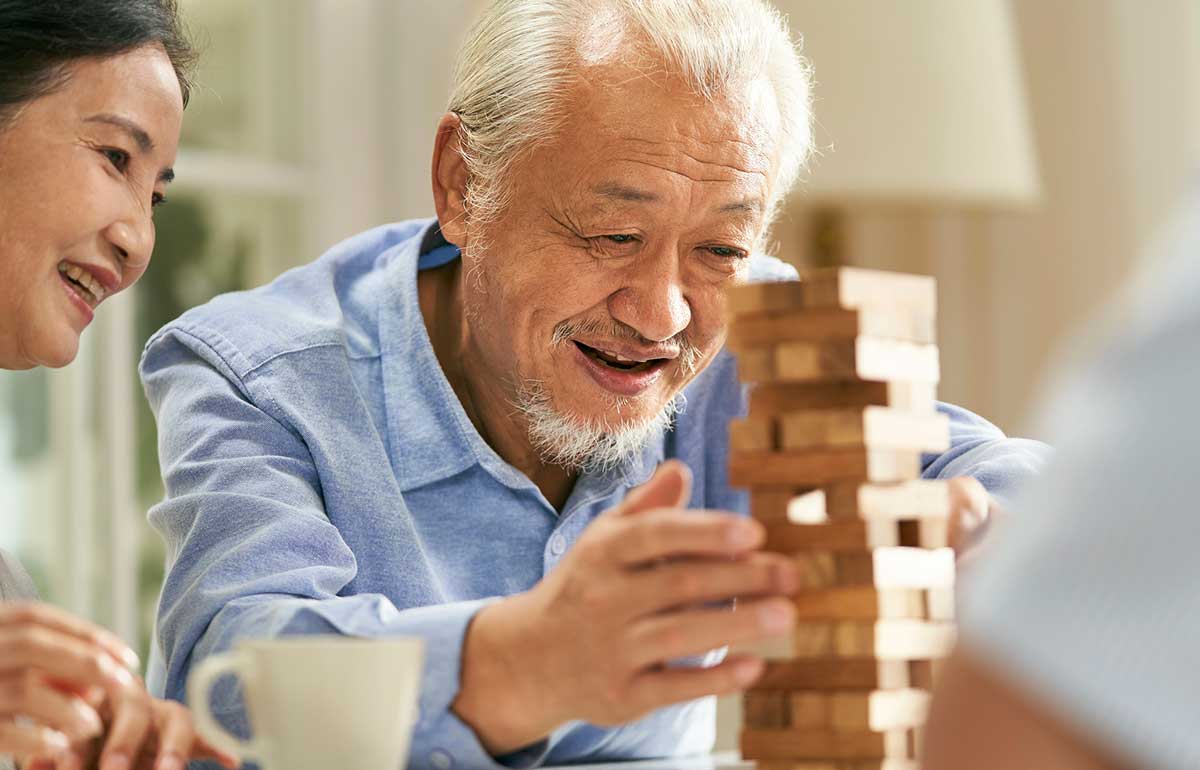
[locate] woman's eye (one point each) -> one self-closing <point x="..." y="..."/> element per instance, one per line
<point x="119" y="158"/>
<point x="157" y="199"/>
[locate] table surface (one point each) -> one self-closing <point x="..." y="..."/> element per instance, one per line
<point x="721" y="761"/>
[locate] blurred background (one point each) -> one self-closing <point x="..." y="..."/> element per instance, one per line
<point x="1022" y="151"/>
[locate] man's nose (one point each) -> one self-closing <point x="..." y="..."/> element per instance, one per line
<point x="653" y="301"/>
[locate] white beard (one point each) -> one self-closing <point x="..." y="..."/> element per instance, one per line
<point x="587" y="446"/>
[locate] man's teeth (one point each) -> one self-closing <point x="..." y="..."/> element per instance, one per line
<point x="84" y="279"/>
<point x="619" y="358"/>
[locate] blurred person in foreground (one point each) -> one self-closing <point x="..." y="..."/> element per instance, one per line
<point x="485" y="429"/>
<point x="92" y="94"/>
<point x="1080" y="626"/>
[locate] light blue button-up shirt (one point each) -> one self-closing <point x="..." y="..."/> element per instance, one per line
<point x="322" y="477"/>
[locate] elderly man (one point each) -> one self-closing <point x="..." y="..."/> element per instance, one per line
<point x="471" y="429"/>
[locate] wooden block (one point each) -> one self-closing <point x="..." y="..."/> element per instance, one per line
<point x="807" y="710"/>
<point x="771" y="328"/>
<point x="846" y="535"/>
<point x="878" y="427"/>
<point x="908" y="500"/>
<point x="897" y="568"/>
<point x="882" y="566"/>
<point x="764" y="297"/>
<point x="881" y="640"/>
<point x="824" y="744"/>
<point x="753" y="434"/>
<point x="925" y="533"/>
<point x="818" y="468"/>
<point x="756" y="365"/>
<point x="834" y="674"/>
<point x="771" y="504"/>
<point x="878" y="710"/>
<point x="855" y="287"/>
<point x="766" y="708"/>
<point x="859" y="603"/>
<point x="769" y="398"/>
<point x="940" y="603"/>
<point x="864" y="358"/>
<point x="921" y="674"/>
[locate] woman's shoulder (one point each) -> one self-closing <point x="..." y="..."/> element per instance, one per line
<point x="15" y="582"/>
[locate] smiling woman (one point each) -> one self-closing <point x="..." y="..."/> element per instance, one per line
<point x="91" y="104"/>
<point x="92" y="94"/>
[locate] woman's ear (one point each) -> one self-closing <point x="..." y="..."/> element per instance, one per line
<point x="450" y="176"/>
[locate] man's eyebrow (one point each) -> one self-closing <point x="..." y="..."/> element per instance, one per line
<point x="746" y="206"/>
<point x="634" y="195"/>
<point x="139" y="135"/>
<point x="623" y="193"/>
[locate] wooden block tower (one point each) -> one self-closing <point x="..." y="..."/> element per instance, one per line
<point x="844" y="368"/>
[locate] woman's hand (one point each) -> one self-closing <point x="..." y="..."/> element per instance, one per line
<point x="169" y="744"/>
<point x="68" y="699"/>
<point x="54" y="669"/>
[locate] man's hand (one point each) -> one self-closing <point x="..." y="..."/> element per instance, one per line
<point x="593" y="640"/>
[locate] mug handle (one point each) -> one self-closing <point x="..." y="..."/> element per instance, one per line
<point x="199" y="687"/>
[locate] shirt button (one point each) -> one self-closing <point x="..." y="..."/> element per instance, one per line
<point x="441" y="760"/>
<point x="558" y="544"/>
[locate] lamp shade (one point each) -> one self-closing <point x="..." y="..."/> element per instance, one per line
<point x="916" y="100"/>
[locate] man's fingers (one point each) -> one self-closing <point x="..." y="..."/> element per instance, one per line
<point x="28" y="741"/>
<point x="669" y="487"/>
<point x="61" y="656"/>
<point x="674" y="635"/>
<point x="666" y="533"/>
<point x="31" y="697"/>
<point x="662" y="687"/>
<point x="24" y="614"/>
<point x="132" y="719"/>
<point x="696" y="581"/>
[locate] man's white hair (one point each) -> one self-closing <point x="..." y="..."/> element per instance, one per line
<point x="522" y="56"/>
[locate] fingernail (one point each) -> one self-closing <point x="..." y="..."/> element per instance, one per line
<point x="168" y="762"/>
<point x="115" y="761"/>
<point x="742" y="534"/>
<point x="775" y="617"/>
<point x="131" y="660"/>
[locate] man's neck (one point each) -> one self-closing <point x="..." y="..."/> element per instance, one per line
<point x="483" y="395"/>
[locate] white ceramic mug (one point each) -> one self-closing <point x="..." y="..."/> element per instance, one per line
<point x="317" y="702"/>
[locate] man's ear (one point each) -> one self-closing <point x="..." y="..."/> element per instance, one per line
<point x="450" y="177"/>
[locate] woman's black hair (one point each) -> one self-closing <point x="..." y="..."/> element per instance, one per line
<point x="39" y="39"/>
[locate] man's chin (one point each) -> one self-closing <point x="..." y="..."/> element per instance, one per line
<point x="595" y="438"/>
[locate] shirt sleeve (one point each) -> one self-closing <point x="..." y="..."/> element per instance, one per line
<point x="981" y="450"/>
<point x="252" y="554"/>
<point x="1086" y="597"/>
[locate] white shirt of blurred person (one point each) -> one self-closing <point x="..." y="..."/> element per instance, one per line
<point x="92" y="94"/>
<point x="1081" y="619"/>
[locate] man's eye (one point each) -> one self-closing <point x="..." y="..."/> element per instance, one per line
<point x="726" y="252"/>
<point x="119" y="158"/>
<point x="620" y="238"/>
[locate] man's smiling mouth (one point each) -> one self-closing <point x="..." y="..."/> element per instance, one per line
<point x="615" y="361"/>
